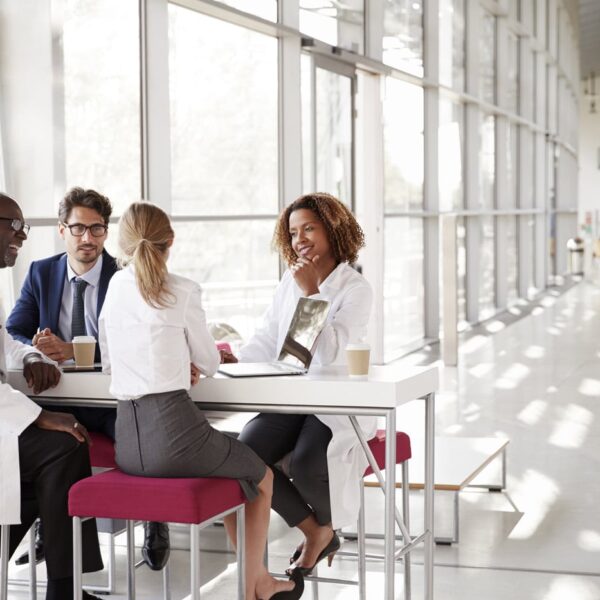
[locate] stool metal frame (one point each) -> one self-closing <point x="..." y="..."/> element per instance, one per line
<point x="195" y="529"/>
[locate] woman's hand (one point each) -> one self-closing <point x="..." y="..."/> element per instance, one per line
<point x="227" y="357"/>
<point x="304" y="272"/>
<point x="195" y="374"/>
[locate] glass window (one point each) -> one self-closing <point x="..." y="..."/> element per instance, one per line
<point x="235" y="291"/>
<point x="336" y="23"/>
<point x="102" y="103"/>
<point x="509" y="247"/>
<point x="526" y="147"/>
<point x="512" y="158"/>
<point x="512" y="89"/>
<point x="461" y="273"/>
<point x="487" y="162"/>
<point x="403" y="35"/>
<point x="267" y="9"/>
<point x="487" y="304"/>
<point x="403" y="145"/>
<point x="223" y="94"/>
<point x="334" y="134"/>
<point x="487" y="58"/>
<point x="451" y="144"/>
<point x="403" y="284"/>
<point x="452" y="43"/>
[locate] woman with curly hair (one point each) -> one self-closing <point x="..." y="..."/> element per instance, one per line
<point x="319" y="239"/>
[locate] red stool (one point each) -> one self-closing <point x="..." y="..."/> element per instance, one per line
<point x="376" y="447"/>
<point x="102" y="451"/>
<point x="197" y="501"/>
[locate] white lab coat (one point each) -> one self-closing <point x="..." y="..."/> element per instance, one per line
<point x="17" y="412"/>
<point x="350" y="298"/>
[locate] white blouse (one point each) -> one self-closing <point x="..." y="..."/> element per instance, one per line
<point x="350" y="298"/>
<point x="149" y="350"/>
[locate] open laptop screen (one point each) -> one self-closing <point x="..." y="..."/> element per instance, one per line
<point x="308" y="321"/>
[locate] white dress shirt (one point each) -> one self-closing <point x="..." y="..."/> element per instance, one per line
<point x="350" y="298"/>
<point x="90" y="301"/>
<point x="17" y="412"/>
<point x="149" y="350"/>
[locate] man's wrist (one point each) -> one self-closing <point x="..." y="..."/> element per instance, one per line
<point x="31" y="358"/>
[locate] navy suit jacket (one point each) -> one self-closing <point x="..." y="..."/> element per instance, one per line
<point x="39" y="304"/>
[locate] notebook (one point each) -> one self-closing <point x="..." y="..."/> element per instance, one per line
<point x="297" y="350"/>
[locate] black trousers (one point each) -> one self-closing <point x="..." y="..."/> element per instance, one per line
<point x="98" y="419"/>
<point x="51" y="462"/>
<point x="272" y="437"/>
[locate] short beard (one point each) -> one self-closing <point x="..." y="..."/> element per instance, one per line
<point x="86" y="260"/>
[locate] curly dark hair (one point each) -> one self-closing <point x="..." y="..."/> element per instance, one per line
<point x="86" y="199"/>
<point x="344" y="233"/>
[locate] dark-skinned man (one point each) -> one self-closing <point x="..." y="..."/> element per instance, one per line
<point x="43" y="453"/>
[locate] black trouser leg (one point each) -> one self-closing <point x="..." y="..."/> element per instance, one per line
<point x="309" y="470"/>
<point x="51" y="462"/>
<point x="272" y="436"/>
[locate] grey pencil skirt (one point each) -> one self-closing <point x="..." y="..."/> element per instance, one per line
<point x="166" y="435"/>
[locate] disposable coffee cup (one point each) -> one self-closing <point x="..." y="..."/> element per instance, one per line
<point x="357" y="357"/>
<point x="84" y="348"/>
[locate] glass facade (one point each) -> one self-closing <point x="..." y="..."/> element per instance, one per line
<point x="226" y="118"/>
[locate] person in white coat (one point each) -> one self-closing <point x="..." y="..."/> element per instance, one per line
<point x="41" y="453"/>
<point x="319" y="238"/>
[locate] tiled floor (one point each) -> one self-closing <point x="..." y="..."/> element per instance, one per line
<point x="536" y="381"/>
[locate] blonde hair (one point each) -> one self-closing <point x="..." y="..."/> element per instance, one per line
<point x="145" y="234"/>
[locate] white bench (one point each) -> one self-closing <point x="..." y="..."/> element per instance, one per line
<point x="458" y="462"/>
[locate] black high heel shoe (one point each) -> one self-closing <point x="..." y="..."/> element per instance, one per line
<point x="328" y="552"/>
<point x="298" y="578"/>
<point x="297" y="552"/>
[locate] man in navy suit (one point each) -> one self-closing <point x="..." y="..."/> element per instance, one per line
<point x="61" y="298"/>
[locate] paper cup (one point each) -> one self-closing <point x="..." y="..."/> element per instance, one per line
<point x="357" y="358"/>
<point x="84" y="348"/>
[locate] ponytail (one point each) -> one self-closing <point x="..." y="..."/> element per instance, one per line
<point x="145" y="234"/>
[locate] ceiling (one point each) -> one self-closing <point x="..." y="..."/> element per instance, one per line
<point x="589" y="37"/>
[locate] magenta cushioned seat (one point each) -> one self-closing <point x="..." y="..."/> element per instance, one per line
<point x="113" y="494"/>
<point x="223" y="346"/>
<point x="377" y="445"/>
<point x="102" y="451"/>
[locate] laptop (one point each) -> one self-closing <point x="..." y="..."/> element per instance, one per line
<point x="297" y="350"/>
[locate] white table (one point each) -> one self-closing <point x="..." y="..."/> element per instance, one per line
<point x="325" y="390"/>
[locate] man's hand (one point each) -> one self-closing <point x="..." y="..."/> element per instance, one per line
<point x="39" y="374"/>
<point x="57" y="421"/>
<point x="52" y="346"/>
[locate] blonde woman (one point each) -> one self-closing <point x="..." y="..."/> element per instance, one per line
<point x="155" y="345"/>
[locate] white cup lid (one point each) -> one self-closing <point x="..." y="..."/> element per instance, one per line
<point x="358" y="346"/>
<point x="84" y="339"/>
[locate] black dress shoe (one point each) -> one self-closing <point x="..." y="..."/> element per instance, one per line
<point x="156" y="547"/>
<point x="39" y="546"/>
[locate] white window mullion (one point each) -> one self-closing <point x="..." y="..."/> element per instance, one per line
<point x="156" y="135"/>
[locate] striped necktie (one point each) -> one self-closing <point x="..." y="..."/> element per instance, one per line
<point x="78" y="314"/>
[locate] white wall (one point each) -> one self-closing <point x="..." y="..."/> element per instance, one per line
<point x="589" y="162"/>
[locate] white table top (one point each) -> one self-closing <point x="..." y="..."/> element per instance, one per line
<point x="386" y="387"/>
